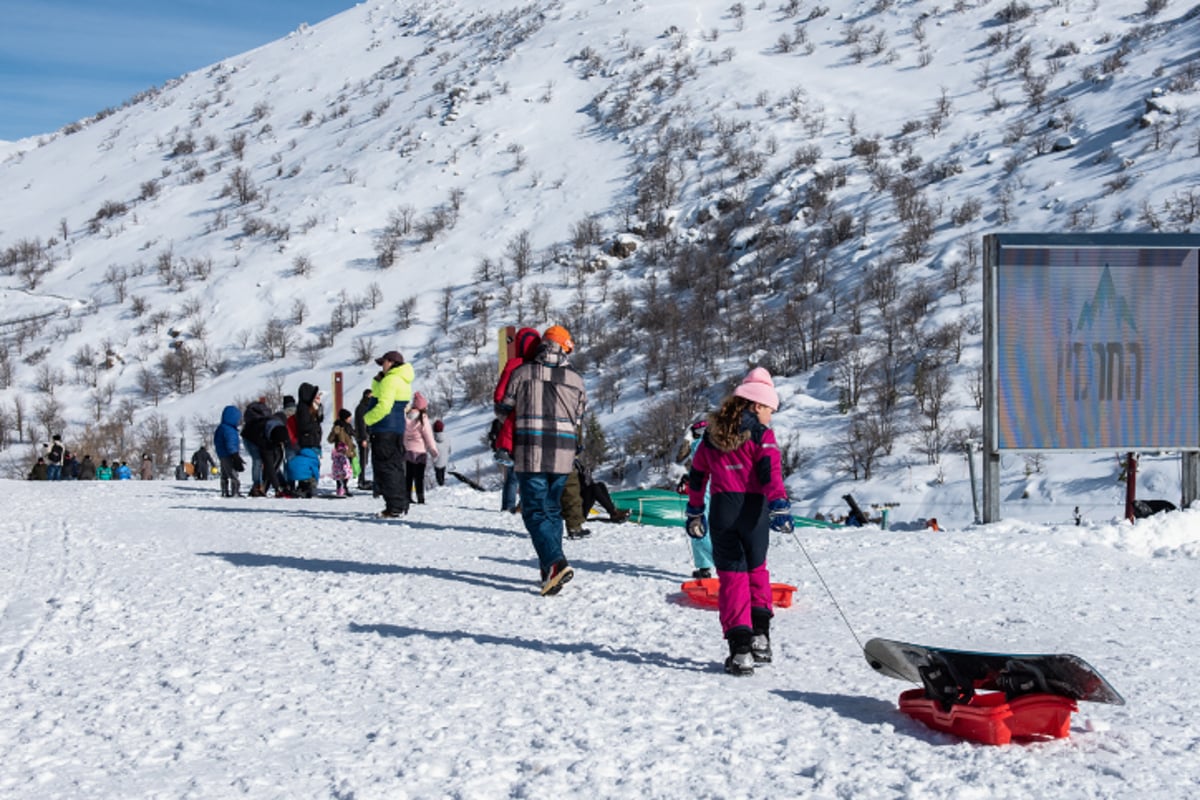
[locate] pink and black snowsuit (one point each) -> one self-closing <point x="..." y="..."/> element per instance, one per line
<point x="744" y="478"/>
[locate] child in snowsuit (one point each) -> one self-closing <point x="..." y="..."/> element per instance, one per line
<point x="342" y="432"/>
<point x="418" y="447"/>
<point x="342" y="470"/>
<point x="739" y="457"/>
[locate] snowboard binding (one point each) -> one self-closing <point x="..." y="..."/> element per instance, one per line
<point x="943" y="684"/>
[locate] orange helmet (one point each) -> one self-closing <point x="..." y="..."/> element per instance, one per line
<point x="560" y="336"/>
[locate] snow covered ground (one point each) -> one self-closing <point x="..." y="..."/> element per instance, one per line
<point x="158" y="641"/>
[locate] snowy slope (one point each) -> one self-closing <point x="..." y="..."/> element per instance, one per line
<point x="528" y="119"/>
<point x="157" y="641"/>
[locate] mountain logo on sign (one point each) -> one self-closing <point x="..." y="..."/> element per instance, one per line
<point x="1106" y="299"/>
<point x="1100" y="361"/>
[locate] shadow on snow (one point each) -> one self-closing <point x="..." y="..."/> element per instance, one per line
<point x="483" y="579"/>
<point x="622" y="654"/>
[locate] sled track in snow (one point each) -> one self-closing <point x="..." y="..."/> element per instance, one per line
<point x="31" y="603"/>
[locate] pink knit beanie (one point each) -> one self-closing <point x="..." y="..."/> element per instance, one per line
<point x="757" y="387"/>
<point x="419" y="402"/>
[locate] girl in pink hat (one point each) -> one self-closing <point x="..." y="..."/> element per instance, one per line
<point x="738" y="461"/>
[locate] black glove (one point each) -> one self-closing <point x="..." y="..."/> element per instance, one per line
<point x="697" y="524"/>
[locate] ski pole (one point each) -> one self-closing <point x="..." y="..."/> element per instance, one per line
<point x="829" y="592"/>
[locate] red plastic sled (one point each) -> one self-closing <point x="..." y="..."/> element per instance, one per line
<point x="704" y="592"/>
<point x="989" y="718"/>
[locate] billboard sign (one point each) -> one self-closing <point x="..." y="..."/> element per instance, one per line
<point x="1095" y="341"/>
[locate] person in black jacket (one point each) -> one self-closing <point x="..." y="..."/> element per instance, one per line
<point x="202" y="463"/>
<point x="254" y="420"/>
<point x="304" y="465"/>
<point x="363" y="437"/>
<point x="309" y="416"/>
<point x="275" y="440"/>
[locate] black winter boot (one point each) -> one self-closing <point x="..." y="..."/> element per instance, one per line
<point x="741" y="660"/>
<point x="760" y="644"/>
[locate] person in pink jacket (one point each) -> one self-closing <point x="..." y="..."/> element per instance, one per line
<point x="738" y="461"/>
<point x="419" y="446"/>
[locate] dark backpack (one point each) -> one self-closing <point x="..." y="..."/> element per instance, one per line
<point x="55" y="454"/>
<point x="254" y="418"/>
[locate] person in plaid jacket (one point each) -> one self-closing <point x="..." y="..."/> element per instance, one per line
<point x="549" y="400"/>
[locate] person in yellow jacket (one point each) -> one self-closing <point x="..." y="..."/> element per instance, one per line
<point x="391" y="392"/>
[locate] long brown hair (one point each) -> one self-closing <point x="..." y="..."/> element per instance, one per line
<point x="724" y="429"/>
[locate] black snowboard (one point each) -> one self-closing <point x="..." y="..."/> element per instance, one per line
<point x="952" y="676"/>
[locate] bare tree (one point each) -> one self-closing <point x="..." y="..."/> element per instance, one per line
<point x="406" y="313"/>
<point x="520" y="253"/>
<point x="364" y="350"/>
<point x="931" y="385"/>
<point x="156" y="439"/>
<point x="49" y="417"/>
<point x="276" y="338"/>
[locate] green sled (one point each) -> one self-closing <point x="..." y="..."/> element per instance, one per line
<point x="668" y="509"/>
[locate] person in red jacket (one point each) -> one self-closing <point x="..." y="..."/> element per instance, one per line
<point x="739" y="457"/>
<point x="527" y="341"/>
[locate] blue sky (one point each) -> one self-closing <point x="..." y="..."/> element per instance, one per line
<point x="63" y="60"/>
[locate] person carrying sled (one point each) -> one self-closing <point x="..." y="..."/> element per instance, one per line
<point x="527" y="342"/>
<point x="739" y="458"/>
<point x="549" y="400"/>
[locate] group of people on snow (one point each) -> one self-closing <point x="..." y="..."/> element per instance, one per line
<point x="390" y="428"/>
<point x="734" y="484"/>
<point x="57" y="463"/>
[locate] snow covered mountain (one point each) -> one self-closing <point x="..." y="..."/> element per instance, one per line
<point x="689" y="187"/>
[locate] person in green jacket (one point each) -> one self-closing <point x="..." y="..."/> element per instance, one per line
<point x="391" y="392"/>
<point x="104" y="471"/>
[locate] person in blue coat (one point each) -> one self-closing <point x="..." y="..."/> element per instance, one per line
<point x="304" y="469"/>
<point x="227" y="443"/>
